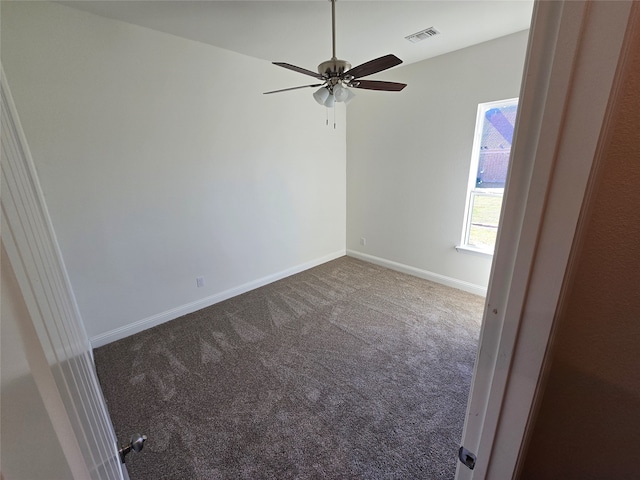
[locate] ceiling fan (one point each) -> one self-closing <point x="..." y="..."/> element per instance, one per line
<point x="338" y="77"/>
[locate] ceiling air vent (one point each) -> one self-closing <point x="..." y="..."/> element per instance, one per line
<point x="423" y="35"/>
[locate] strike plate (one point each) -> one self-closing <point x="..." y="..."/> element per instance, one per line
<point x="467" y="458"/>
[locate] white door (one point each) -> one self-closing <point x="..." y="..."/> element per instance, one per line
<point x="48" y="331"/>
<point x="569" y="80"/>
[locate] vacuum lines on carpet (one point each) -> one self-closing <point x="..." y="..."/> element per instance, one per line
<point x="345" y="371"/>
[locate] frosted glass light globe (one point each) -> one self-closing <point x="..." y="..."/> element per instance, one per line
<point x="321" y="95"/>
<point x="329" y="101"/>
<point x="340" y="93"/>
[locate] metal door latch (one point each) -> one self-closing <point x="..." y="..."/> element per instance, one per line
<point x="467" y="458"/>
<point x="136" y="444"/>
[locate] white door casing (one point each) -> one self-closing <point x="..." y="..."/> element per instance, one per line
<point x="569" y="83"/>
<point x="61" y="362"/>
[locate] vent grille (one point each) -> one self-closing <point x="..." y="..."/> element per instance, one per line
<point x="423" y="35"/>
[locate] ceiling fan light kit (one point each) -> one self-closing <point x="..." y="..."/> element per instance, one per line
<point x="321" y="95"/>
<point x="330" y="101"/>
<point x="338" y="78"/>
<point x="341" y="93"/>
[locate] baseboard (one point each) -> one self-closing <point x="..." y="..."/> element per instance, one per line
<point x="152" y="321"/>
<point x="417" y="272"/>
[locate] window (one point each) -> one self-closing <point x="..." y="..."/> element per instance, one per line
<point x="489" y="164"/>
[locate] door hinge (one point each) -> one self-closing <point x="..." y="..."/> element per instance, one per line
<point x="467" y="458"/>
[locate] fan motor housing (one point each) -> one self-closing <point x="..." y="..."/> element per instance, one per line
<point x="333" y="67"/>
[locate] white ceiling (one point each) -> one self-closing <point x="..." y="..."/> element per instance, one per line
<point x="299" y="32"/>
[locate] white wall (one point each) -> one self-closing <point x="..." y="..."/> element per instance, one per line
<point x="161" y="161"/>
<point x="409" y="154"/>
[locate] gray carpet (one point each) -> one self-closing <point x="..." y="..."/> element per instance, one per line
<point x="347" y="370"/>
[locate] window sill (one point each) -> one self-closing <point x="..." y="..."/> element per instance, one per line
<point x="474" y="251"/>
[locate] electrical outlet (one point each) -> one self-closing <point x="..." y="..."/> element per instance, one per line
<point x="363" y="241"/>
<point x="199" y="282"/>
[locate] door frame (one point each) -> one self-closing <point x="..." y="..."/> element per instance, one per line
<point x="571" y="77"/>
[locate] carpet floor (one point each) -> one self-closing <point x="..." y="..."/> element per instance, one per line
<point x="345" y="371"/>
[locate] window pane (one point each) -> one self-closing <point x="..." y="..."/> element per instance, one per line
<point x="485" y="215"/>
<point x="495" y="146"/>
<point x="493" y="137"/>
<point x="482" y="237"/>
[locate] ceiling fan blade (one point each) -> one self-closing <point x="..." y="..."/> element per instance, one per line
<point x="376" y="85"/>
<point x="293" y="88"/>
<point x="374" y="66"/>
<point x="299" y="70"/>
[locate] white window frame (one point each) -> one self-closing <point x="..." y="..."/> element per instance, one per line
<point x="473" y="174"/>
